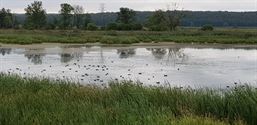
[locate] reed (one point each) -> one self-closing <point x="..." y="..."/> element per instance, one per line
<point x="41" y="101"/>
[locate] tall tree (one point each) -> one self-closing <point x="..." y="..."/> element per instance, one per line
<point x="66" y="15"/>
<point x="169" y="20"/>
<point x="36" y="16"/>
<point x="6" y="18"/>
<point x="126" y="16"/>
<point x="174" y="16"/>
<point x="87" y="20"/>
<point x="157" y="21"/>
<point x="78" y="16"/>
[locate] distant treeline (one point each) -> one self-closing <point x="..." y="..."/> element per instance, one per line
<point x="74" y="17"/>
<point x="191" y="18"/>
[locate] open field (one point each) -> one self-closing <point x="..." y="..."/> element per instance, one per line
<point x="183" y="35"/>
<point x="34" y="101"/>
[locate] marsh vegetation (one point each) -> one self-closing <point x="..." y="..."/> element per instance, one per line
<point x="34" y="101"/>
<point x="186" y="35"/>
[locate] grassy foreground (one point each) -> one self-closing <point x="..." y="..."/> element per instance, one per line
<point x="33" y="101"/>
<point x="187" y="35"/>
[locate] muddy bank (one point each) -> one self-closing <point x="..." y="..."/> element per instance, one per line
<point x="136" y="45"/>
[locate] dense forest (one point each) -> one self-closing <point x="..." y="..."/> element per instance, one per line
<point x="191" y="18"/>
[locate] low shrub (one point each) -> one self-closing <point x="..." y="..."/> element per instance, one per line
<point x="207" y="28"/>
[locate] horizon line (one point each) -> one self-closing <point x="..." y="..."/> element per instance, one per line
<point x="247" y="11"/>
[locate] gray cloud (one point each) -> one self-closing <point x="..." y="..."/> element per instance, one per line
<point x="52" y="6"/>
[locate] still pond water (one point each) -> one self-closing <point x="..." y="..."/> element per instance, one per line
<point x="152" y="65"/>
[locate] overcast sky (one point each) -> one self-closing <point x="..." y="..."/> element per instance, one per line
<point x="53" y="6"/>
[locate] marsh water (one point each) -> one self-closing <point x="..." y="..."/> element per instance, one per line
<point x="183" y="65"/>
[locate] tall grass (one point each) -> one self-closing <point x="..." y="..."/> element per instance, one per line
<point x="223" y="36"/>
<point x="34" y="101"/>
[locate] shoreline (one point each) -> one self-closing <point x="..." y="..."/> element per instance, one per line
<point x="135" y="45"/>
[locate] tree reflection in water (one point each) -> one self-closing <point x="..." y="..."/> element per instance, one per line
<point x="158" y="53"/>
<point x="67" y="56"/>
<point x="35" y="56"/>
<point x="5" y="51"/>
<point x="126" y="53"/>
<point x="174" y="55"/>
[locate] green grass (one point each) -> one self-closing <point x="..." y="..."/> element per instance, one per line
<point x="34" y="101"/>
<point x="183" y="35"/>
